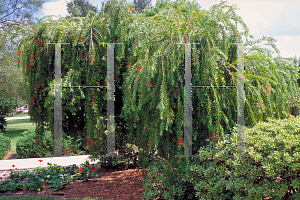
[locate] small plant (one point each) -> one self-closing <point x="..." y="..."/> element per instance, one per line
<point x="55" y="175"/>
<point x="5" y="145"/>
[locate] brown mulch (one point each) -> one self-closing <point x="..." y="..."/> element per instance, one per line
<point x="112" y="184"/>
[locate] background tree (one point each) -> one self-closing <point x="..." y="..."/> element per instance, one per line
<point x="18" y="12"/>
<point x="140" y="5"/>
<point x="79" y="8"/>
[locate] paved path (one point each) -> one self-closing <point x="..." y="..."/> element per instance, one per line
<point x="10" y="118"/>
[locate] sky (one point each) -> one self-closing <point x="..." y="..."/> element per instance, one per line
<point x="270" y="18"/>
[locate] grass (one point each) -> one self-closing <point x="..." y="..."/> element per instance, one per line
<point x="15" y="128"/>
<point x="37" y="197"/>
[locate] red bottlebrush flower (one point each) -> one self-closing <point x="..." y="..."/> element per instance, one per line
<point x="129" y="64"/>
<point x="150" y="143"/>
<point x="89" y="142"/>
<point x="34" y="30"/>
<point x="76" y="38"/>
<point x="213" y="136"/>
<point x="287" y="116"/>
<point x="32" y="99"/>
<point x="27" y="66"/>
<point x="135" y="42"/>
<point x="185" y="40"/>
<point x="129" y="9"/>
<point x="40" y="160"/>
<point x="19" y="60"/>
<point x="138" y="68"/>
<point x="51" y="133"/>
<point x="80" y="39"/>
<point x="93" y="168"/>
<point x="40" y="42"/>
<point x="149" y="84"/>
<point x="36" y="141"/>
<point x="92" y="59"/>
<point x="189" y="21"/>
<point x="113" y="39"/>
<point x="36" y="54"/>
<point x="262" y="105"/>
<point x="81" y="55"/>
<point x="13" y="165"/>
<point x="179" y="141"/>
<point x="19" y="52"/>
<point x="36" y="86"/>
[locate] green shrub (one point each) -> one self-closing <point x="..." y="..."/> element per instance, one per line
<point x="3" y="123"/>
<point x="26" y="147"/>
<point x="5" y="145"/>
<point x="271" y="149"/>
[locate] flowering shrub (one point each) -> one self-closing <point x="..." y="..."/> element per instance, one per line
<point x="272" y="151"/>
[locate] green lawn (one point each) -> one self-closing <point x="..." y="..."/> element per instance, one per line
<point x="15" y="128"/>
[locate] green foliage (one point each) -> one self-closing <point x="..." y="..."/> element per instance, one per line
<point x="26" y="147"/>
<point x="5" y="145"/>
<point x="271" y="151"/>
<point x="79" y="8"/>
<point x="7" y="105"/>
<point x="55" y="175"/>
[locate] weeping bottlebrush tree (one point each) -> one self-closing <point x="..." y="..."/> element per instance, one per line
<point x="149" y="78"/>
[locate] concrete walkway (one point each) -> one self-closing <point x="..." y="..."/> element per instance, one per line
<point x="11" y="118"/>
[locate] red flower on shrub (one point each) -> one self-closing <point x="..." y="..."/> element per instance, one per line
<point x="179" y="141"/>
<point x="113" y="39"/>
<point x="150" y="143"/>
<point x="129" y="9"/>
<point x="135" y="42"/>
<point x="81" y="55"/>
<point x="92" y="59"/>
<point x="19" y="60"/>
<point x="27" y="66"/>
<point x="36" y="141"/>
<point x="89" y="142"/>
<point x="149" y="84"/>
<point x="189" y="21"/>
<point x="76" y="37"/>
<point x="80" y="170"/>
<point x="93" y="168"/>
<point x="34" y="30"/>
<point x="262" y="105"/>
<point x="40" y="42"/>
<point x="36" y="54"/>
<point x="93" y="102"/>
<point x="80" y="39"/>
<point x="287" y="116"/>
<point x="36" y="87"/>
<point x="19" y="52"/>
<point x="138" y="68"/>
<point x="32" y="99"/>
<point x="185" y="40"/>
<point x="213" y="136"/>
<point x="51" y="133"/>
